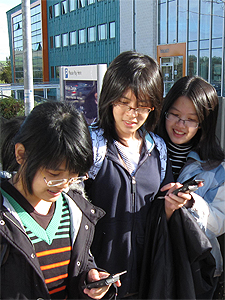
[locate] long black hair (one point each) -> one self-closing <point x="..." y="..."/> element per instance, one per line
<point x="52" y="133"/>
<point x="205" y="99"/>
<point x="142" y="75"/>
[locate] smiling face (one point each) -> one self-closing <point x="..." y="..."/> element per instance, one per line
<point x="128" y="122"/>
<point x="178" y="131"/>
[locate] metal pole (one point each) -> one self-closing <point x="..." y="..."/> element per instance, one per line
<point x="27" y="58"/>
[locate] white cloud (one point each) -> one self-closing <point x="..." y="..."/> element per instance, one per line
<point x="5" y="5"/>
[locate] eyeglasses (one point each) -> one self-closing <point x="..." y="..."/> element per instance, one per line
<point x="174" y="118"/>
<point x="138" y="110"/>
<point x="69" y="181"/>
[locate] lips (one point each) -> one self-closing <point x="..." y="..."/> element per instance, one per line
<point x="54" y="193"/>
<point x="178" y="133"/>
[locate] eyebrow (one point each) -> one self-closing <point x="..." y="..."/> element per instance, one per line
<point x="194" y="114"/>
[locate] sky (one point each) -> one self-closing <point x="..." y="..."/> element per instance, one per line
<point x="5" y="5"/>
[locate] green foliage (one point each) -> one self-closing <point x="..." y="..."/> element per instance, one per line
<point x="10" y="108"/>
<point x="6" y="72"/>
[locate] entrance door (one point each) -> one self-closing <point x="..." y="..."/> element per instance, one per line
<point x="172" y="70"/>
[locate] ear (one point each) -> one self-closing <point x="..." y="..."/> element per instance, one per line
<point x="19" y="153"/>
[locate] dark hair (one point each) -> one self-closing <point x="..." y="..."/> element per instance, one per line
<point x="204" y="97"/>
<point x="135" y="71"/>
<point x="9" y="128"/>
<point x="52" y="133"/>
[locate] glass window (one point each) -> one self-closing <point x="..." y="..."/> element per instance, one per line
<point x="112" y="30"/>
<point x="80" y="3"/>
<point x="57" y="72"/>
<point x="216" y="43"/>
<point x="217" y="69"/>
<point x="91" y="34"/>
<point x="81" y="36"/>
<point x="65" y="39"/>
<point x="52" y="72"/>
<point x="217" y="19"/>
<point x="162" y="27"/>
<point x="192" y="45"/>
<point x="72" y="4"/>
<point x="102" y="34"/>
<point x="204" y="19"/>
<point x="57" y="41"/>
<point x="51" y="42"/>
<point x="172" y="21"/>
<point x="73" y="39"/>
<point x="64" y="7"/>
<point x="182" y="21"/>
<point x="192" y="63"/>
<point x="90" y="2"/>
<point x="50" y="12"/>
<point x="57" y="9"/>
<point x="193" y="20"/>
<point x="204" y="64"/>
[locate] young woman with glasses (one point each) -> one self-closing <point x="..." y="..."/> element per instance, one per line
<point x="130" y="165"/>
<point x="47" y="226"/>
<point x="188" y="126"/>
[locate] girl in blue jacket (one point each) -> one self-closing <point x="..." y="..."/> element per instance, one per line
<point x="46" y="229"/>
<point x="188" y="125"/>
<point x="130" y="165"/>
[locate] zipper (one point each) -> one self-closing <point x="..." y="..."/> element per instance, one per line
<point x="133" y="191"/>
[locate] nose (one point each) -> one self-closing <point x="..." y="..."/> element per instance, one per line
<point x="182" y="122"/>
<point x="132" y="111"/>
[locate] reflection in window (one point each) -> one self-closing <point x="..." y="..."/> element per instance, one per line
<point x="52" y="72"/>
<point x="217" y="69"/>
<point x="57" y="72"/>
<point x="192" y="63"/>
<point x="72" y="5"/>
<point x="204" y="19"/>
<point x="204" y="64"/>
<point x="64" y="7"/>
<point x="80" y="3"/>
<point x="112" y="30"/>
<point x="50" y="12"/>
<point x="73" y="39"/>
<point x="172" y="21"/>
<point x="102" y="34"/>
<point x="57" y="41"/>
<point x="65" y="39"/>
<point x="57" y="9"/>
<point x="193" y="20"/>
<point x="90" y="2"/>
<point x="217" y="19"/>
<point x="81" y="36"/>
<point x="91" y="34"/>
<point x="162" y="19"/>
<point x="182" y="21"/>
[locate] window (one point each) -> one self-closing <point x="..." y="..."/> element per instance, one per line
<point x="57" y="72"/>
<point x="172" y="21"/>
<point x="90" y="2"/>
<point x="72" y="4"/>
<point x="51" y="42"/>
<point x="57" y="9"/>
<point x="64" y="7"/>
<point x="80" y="3"/>
<point x="162" y="20"/>
<point x="91" y="34"/>
<point x="102" y="32"/>
<point x="57" y="41"/>
<point x="73" y="39"/>
<point x="50" y="12"/>
<point x="52" y="72"/>
<point x="112" y="30"/>
<point x="81" y="36"/>
<point x="65" y="40"/>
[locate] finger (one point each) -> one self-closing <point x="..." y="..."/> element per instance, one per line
<point x="167" y="187"/>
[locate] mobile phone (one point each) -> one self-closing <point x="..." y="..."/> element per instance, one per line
<point x="189" y="186"/>
<point x="105" y="281"/>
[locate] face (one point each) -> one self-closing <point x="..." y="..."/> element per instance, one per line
<point x="180" y="132"/>
<point x="127" y="122"/>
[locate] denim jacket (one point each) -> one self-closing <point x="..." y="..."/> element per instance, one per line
<point x="209" y="206"/>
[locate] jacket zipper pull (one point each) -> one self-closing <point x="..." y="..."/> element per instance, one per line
<point x="133" y="189"/>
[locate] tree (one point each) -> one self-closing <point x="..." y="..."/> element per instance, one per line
<point x="6" y="72"/>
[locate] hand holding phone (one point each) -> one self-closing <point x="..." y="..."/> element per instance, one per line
<point x="105" y="281"/>
<point x="190" y="186"/>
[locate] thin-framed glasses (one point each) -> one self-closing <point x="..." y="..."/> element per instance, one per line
<point x="69" y="181"/>
<point x="138" y="110"/>
<point x="174" y="118"/>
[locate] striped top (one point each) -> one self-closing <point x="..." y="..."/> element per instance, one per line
<point x="178" y="156"/>
<point x="52" y="245"/>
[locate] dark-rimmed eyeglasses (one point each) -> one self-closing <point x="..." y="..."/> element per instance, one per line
<point x="174" y="118"/>
<point x="138" y="110"/>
